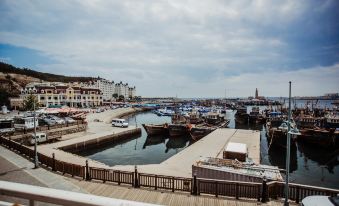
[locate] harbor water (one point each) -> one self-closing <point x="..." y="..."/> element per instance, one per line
<point x="310" y="165"/>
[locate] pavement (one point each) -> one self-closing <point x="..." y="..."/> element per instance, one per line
<point x="15" y="168"/>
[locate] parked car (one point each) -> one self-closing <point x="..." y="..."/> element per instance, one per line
<point x="318" y="200"/>
<point x="58" y="120"/>
<point x="69" y="120"/>
<point x="49" y="121"/>
<point x="119" y="123"/>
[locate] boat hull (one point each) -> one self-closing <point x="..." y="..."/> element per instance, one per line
<point x="175" y="130"/>
<point x="155" y="129"/>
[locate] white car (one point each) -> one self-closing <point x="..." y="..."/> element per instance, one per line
<point x="119" y="123"/>
<point x="57" y="120"/>
<point x="69" y="120"/>
<point x="318" y="200"/>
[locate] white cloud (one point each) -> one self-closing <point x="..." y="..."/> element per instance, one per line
<point x="162" y="46"/>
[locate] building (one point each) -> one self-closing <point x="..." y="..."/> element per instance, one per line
<point x="54" y="93"/>
<point x="16" y="103"/>
<point x="109" y="88"/>
<point x="125" y="90"/>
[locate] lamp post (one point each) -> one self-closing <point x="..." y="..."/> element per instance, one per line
<point x="36" y="161"/>
<point x="290" y="132"/>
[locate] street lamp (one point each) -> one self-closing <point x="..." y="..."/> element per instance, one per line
<point x="36" y="161"/>
<point x="293" y="131"/>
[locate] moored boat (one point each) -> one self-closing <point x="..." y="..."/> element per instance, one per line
<point x="255" y="117"/>
<point x="175" y="130"/>
<point x="156" y="129"/>
<point x="197" y="133"/>
<point x="241" y="115"/>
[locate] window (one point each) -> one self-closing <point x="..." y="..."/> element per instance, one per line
<point x="42" y="98"/>
<point x="49" y="97"/>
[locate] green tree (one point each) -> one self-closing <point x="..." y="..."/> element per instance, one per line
<point x="121" y="97"/>
<point x="115" y="95"/>
<point x="29" y="102"/>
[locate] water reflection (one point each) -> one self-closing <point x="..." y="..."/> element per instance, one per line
<point x="177" y="143"/>
<point x="277" y="157"/>
<point x="325" y="158"/>
<point x="154" y="140"/>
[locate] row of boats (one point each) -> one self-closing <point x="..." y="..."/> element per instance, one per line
<point x="321" y="130"/>
<point x="194" y="123"/>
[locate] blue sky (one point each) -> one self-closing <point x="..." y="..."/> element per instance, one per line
<point x="185" y="48"/>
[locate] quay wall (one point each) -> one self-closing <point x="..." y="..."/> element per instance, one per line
<point x="24" y="138"/>
<point x="111" y="139"/>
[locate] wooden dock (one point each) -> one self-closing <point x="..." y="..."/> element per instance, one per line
<point x="162" y="197"/>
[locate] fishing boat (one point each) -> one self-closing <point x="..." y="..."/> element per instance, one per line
<point x="197" y="133"/>
<point x="175" y="130"/>
<point x="319" y="131"/>
<point x="277" y="136"/>
<point x="255" y="117"/>
<point x="156" y="129"/>
<point x="241" y="115"/>
<point x="214" y="117"/>
<point x="194" y="117"/>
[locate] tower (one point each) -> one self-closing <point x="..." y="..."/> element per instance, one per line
<point x="256" y="93"/>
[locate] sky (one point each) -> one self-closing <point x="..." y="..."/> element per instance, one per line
<point x="193" y="48"/>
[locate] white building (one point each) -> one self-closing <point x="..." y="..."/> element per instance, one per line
<point x="107" y="87"/>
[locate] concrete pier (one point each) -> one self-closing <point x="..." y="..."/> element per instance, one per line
<point x="99" y="131"/>
<point x="210" y="146"/>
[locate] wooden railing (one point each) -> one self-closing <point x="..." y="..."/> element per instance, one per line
<point x="195" y="186"/>
<point x="165" y="182"/>
<point x="297" y="192"/>
<point x="230" y="188"/>
<point x="111" y="175"/>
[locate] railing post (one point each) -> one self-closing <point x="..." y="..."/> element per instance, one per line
<point x="195" y="185"/>
<point x="53" y="162"/>
<point x="72" y="170"/>
<point x="156" y="182"/>
<point x="87" y="171"/>
<point x="264" y="191"/>
<point x="216" y="188"/>
<point x="136" y="180"/>
<point x="119" y="182"/>
<point x="297" y="195"/>
<point x="172" y="184"/>
<point x="237" y="191"/>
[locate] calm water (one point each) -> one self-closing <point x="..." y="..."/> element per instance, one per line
<point x="309" y="164"/>
<point x="140" y="150"/>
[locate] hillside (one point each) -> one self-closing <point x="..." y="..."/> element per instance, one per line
<point x="12" y="79"/>
<point x="9" y="69"/>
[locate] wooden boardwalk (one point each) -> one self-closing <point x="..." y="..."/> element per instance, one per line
<point x="161" y="197"/>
